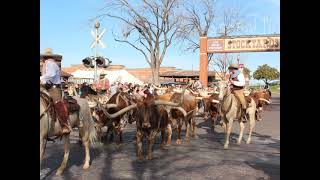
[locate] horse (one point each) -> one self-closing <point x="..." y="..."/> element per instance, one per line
<point x="50" y="127"/>
<point x="72" y="90"/>
<point x="92" y="96"/>
<point x="230" y="110"/>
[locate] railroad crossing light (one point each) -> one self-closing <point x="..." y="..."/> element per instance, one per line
<point x="102" y="62"/>
<point x="87" y="62"/>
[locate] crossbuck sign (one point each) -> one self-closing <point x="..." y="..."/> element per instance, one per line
<point x="97" y="39"/>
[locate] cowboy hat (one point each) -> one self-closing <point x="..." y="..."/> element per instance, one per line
<point x="233" y="66"/>
<point x="103" y="74"/>
<point x="48" y="53"/>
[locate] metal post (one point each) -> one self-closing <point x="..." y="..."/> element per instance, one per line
<point x="95" y="57"/>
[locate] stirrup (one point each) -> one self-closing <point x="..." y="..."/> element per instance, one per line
<point x="66" y="130"/>
<point x="80" y="124"/>
<point x="244" y="115"/>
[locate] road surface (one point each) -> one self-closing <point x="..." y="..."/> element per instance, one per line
<point x="202" y="158"/>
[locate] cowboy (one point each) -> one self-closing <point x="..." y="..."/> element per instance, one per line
<point x="50" y="78"/>
<point x="237" y="81"/>
<point x="102" y="84"/>
<point x="197" y="85"/>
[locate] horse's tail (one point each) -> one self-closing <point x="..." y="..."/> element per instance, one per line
<point x="86" y="118"/>
<point x="92" y="132"/>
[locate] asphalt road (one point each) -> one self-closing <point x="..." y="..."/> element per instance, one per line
<point x="203" y="158"/>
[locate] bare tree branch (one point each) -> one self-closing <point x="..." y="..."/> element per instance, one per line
<point x="132" y="45"/>
<point x="149" y="27"/>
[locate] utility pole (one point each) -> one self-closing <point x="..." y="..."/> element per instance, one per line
<point x="225" y="54"/>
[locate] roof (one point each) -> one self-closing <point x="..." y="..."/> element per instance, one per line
<point x="119" y="75"/>
<point x="184" y="74"/>
<point x="65" y="74"/>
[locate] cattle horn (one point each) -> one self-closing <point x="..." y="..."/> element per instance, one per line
<point x="122" y="111"/>
<point x="108" y="106"/>
<point x="160" y="102"/>
<point x="176" y="91"/>
<point x="159" y="87"/>
<point x="126" y="90"/>
<point x="195" y="93"/>
<point x="92" y="104"/>
<point x="215" y="101"/>
<point x="117" y="99"/>
<point x="262" y="99"/>
<point x="181" y="110"/>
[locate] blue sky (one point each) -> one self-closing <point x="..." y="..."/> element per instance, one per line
<point x="65" y="27"/>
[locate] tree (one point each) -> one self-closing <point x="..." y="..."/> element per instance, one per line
<point x="266" y="73"/>
<point x="200" y="17"/>
<point x="246" y="71"/>
<point x="149" y="26"/>
<point x="220" y="64"/>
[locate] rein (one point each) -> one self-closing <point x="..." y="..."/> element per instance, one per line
<point x="224" y="98"/>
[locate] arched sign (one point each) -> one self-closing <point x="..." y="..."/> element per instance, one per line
<point x="235" y="44"/>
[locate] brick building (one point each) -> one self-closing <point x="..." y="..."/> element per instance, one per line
<point x="144" y="74"/>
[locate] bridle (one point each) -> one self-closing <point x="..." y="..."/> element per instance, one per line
<point x="225" y="97"/>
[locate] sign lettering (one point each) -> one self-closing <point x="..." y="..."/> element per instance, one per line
<point x="244" y="44"/>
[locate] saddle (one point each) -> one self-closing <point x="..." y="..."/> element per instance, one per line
<point x="71" y="104"/>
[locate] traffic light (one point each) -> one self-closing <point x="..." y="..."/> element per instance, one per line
<point x="88" y="62"/>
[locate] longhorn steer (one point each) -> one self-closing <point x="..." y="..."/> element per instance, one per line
<point x="115" y="125"/>
<point x="211" y="106"/>
<point x="261" y="98"/>
<point x="151" y="117"/>
<point x="177" y="117"/>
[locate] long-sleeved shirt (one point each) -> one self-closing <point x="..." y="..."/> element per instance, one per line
<point x="102" y="84"/>
<point x="51" y="73"/>
<point x="241" y="80"/>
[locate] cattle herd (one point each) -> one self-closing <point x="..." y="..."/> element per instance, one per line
<point x="166" y="109"/>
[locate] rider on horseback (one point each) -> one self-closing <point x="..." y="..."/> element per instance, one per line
<point x="102" y="85"/>
<point x="238" y="82"/>
<point x="50" y="79"/>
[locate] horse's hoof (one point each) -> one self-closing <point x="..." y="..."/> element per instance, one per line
<point x="178" y="141"/>
<point x="139" y="159"/>
<point x="149" y="158"/>
<point x="163" y="146"/>
<point x="86" y="166"/>
<point x="59" y="172"/>
<point x="169" y="143"/>
<point x="248" y="142"/>
<point x="239" y="142"/>
<point x="225" y="147"/>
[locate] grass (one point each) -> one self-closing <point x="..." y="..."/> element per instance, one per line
<point x="273" y="88"/>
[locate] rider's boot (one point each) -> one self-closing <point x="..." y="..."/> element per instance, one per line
<point x="244" y="115"/>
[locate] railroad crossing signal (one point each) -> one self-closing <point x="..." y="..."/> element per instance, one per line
<point x="97" y="39"/>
